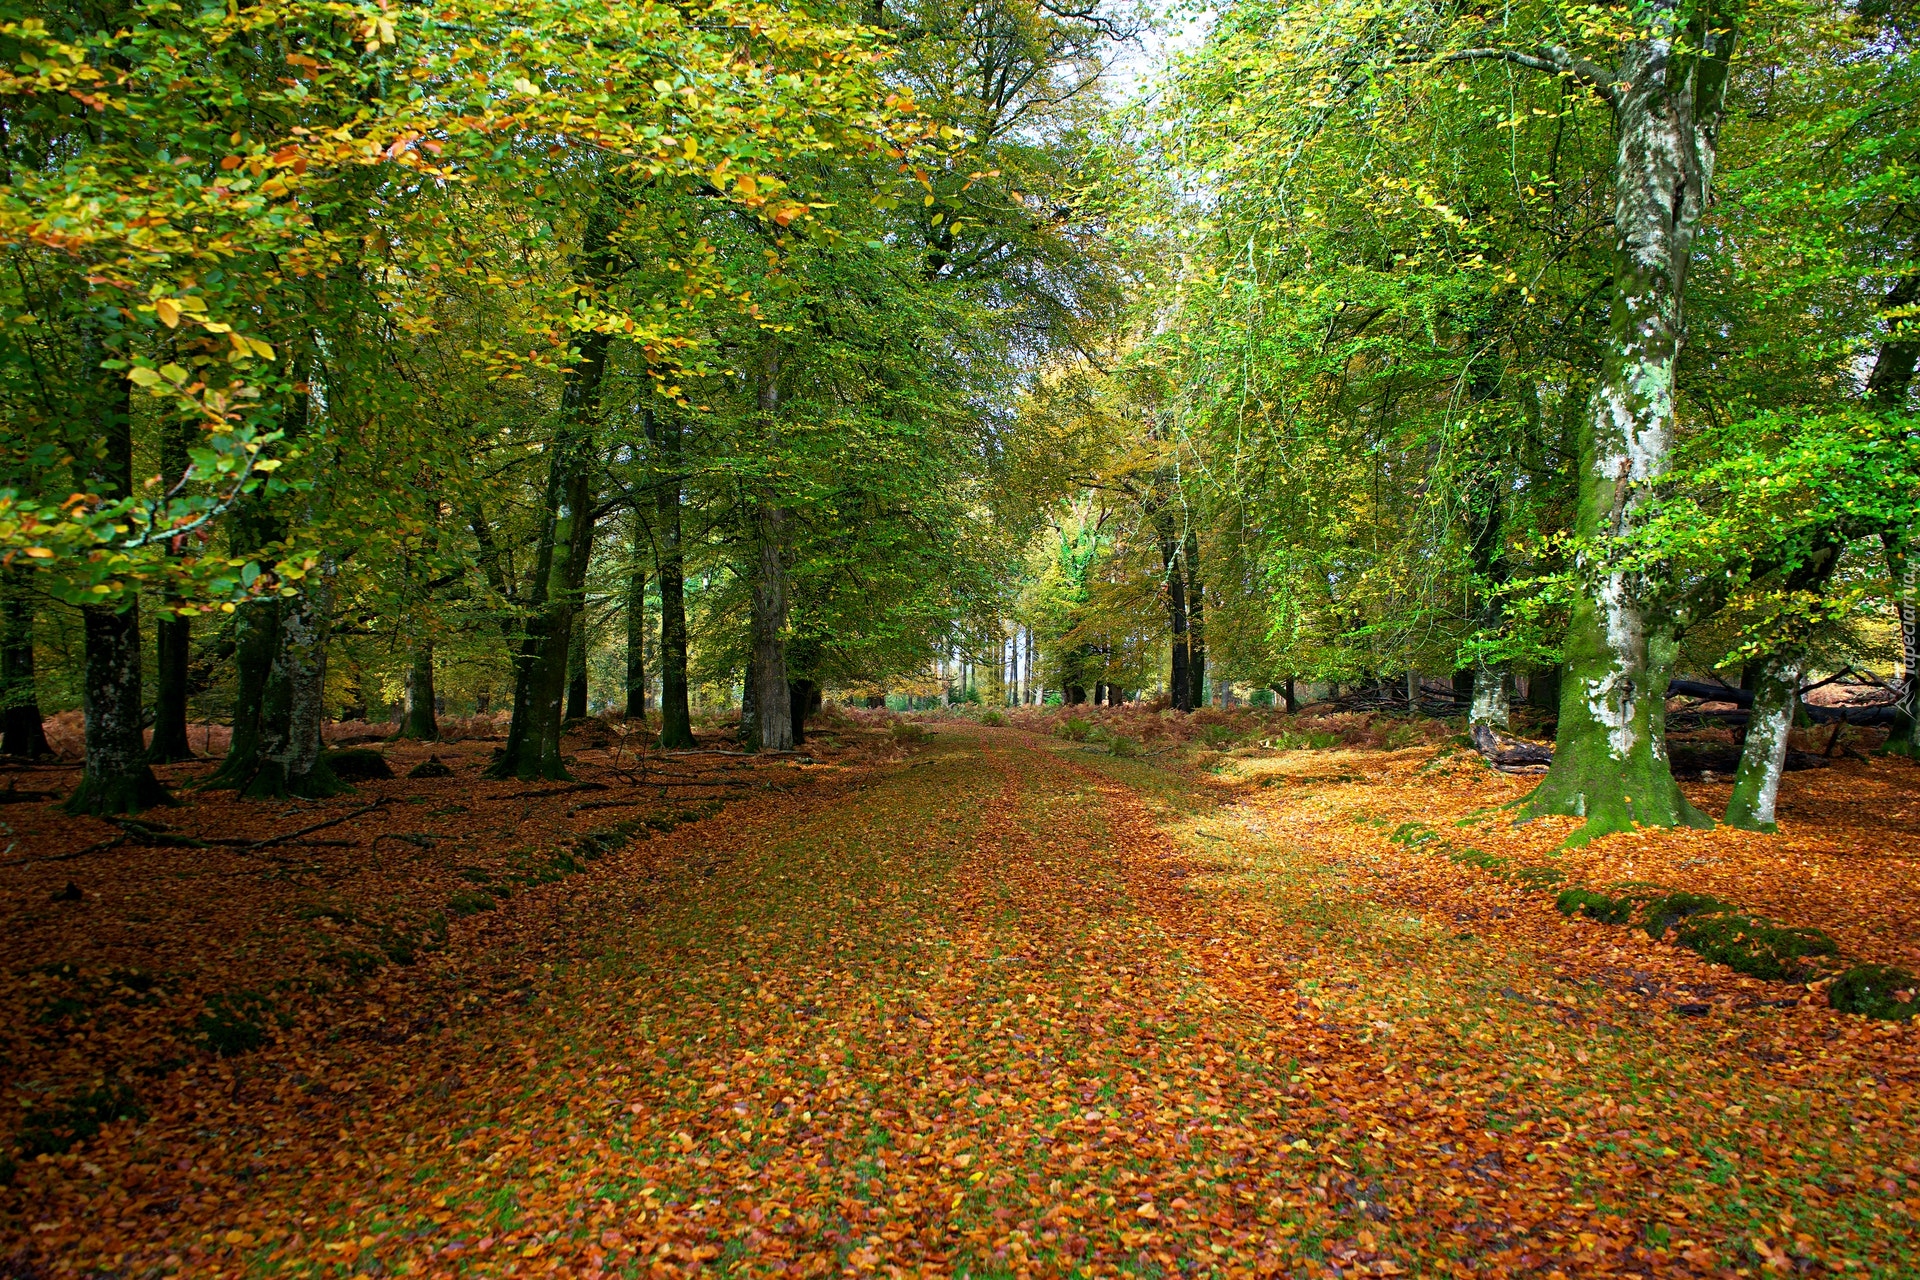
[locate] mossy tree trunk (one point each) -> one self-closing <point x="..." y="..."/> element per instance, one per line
<point x="1610" y="762"/>
<point x="117" y="778"/>
<point x="1756" y="783"/>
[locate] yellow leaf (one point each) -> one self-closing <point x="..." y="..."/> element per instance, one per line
<point x="169" y="312"/>
<point x="40" y="553"/>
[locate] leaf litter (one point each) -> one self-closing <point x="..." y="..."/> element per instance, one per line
<point x="1014" y="1008"/>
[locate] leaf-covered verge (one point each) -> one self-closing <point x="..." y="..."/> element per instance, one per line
<point x="1019" y="1005"/>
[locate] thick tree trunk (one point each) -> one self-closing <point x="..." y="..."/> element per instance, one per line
<point x="637" y="627"/>
<point x="1888" y="387"/>
<point x="22" y="728"/>
<point x="1196" y="624"/>
<point x="417" y="716"/>
<point x="1756" y="784"/>
<point x="1287" y="698"/>
<point x="577" y="668"/>
<point x="1610" y="761"/>
<point x="676" y="718"/>
<point x="117" y="778"/>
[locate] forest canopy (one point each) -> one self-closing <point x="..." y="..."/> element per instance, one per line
<point x="556" y="359"/>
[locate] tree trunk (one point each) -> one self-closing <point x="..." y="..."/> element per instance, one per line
<point x="294" y="716"/>
<point x="117" y="778"/>
<point x="1543" y="690"/>
<point x="417" y="718"/>
<point x="676" y="718"/>
<point x="22" y="729"/>
<point x="772" y="705"/>
<point x="637" y="627"/>
<point x="577" y="668"/>
<point x="1179" y="692"/>
<point x="173" y="634"/>
<point x="1287" y="698"/>
<point x="1903" y="739"/>
<point x="1610" y="760"/>
<point x="804" y="700"/>
<point x="1491" y="705"/>
<point x="1756" y="784"/>
<point x="256" y="626"/>
<point x="1196" y="625"/>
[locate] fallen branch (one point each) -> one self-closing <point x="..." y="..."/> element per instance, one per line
<point x="1504" y="751"/>
<point x="111" y="842"/>
<point x="553" y="791"/>
<point x="318" y="826"/>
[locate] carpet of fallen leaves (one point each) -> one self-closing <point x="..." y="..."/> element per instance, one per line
<point x="1011" y="1005"/>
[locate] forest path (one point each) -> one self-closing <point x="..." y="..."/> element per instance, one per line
<point x="1016" y="1008"/>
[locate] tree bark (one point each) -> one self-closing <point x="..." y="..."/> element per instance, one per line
<point x="1756" y="783"/>
<point x="1610" y="761"/>
<point x="804" y="700"/>
<point x="772" y="706"/>
<point x="22" y="728"/>
<point x="1887" y="389"/>
<point x="637" y="630"/>
<point x="117" y="778"/>
<point x="1179" y="691"/>
<point x="173" y="634"/>
<point x="1196" y="624"/>
<point x="676" y="718"/>
<point x="294" y="716"/>
<point x="577" y="668"/>
<point x="1903" y="563"/>
<point x="417" y="716"/>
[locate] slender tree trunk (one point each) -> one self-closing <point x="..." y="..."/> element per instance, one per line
<point x="1903" y="738"/>
<point x="772" y="705"/>
<point x="676" y="718"/>
<point x="173" y="634"/>
<point x="417" y="715"/>
<point x="577" y="668"/>
<point x="1756" y="783"/>
<point x="1610" y="761"/>
<point x="1196" y="624"/>
<point x="117" y="778"/>
<point x="1288" y="700"/>
<point x="637" y="630"/>
<point x="22" y="728"/>
<point x="1179" y="691"/>
<point x="566" y="541"/>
